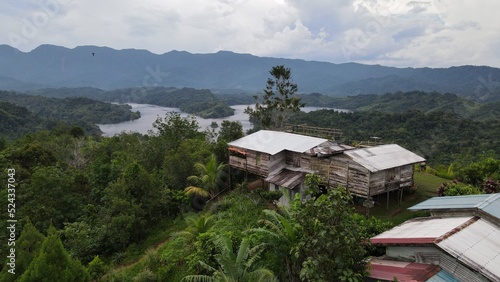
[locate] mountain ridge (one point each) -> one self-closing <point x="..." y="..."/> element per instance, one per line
<point x="107" y="68"/>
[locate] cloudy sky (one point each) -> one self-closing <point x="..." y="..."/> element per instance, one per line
<point x="433" y="33"/>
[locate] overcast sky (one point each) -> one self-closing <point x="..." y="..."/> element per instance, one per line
<point x="433" y="33"/>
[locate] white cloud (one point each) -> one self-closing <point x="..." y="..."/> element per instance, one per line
<point x="390" y="32"/>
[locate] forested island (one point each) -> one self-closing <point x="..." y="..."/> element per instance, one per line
<point x="199" y="102"/>
<point x="23" y="113"/>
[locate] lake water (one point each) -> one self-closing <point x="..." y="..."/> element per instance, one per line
<point x="149" y="113"/>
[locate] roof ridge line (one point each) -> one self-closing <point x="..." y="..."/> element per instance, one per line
<point x="456" y="229"/>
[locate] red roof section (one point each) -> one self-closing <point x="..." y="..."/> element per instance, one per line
<point x="402" y="241"/>
<point x="404" y="271"/>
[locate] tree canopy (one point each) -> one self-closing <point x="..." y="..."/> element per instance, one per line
<point x="275" y="107"/>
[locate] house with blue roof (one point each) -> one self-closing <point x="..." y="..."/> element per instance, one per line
<point x="461" y="237"/>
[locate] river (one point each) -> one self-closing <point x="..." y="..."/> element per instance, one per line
<point x="149" y="113"/>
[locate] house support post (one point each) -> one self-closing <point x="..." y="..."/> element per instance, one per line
<point x="387" y="204"/>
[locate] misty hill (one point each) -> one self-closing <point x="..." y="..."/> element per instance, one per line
<point x="106" y="68"/>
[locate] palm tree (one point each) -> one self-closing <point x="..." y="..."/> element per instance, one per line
<point x="196" y="225"/>
<point x="234" y="266"/>
<point x="208" y="180"/>
<point x="283" y="234"/>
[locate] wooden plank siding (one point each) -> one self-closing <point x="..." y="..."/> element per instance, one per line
<point x="277" y="162"/>
<point x="341" y="170"/>
<point x="377" y="183"/>
<point x="335" y="170"/>
<point x="255" y="162"/>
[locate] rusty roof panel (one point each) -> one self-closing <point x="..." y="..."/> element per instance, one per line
<point x="287" y="178"/>
<point x="329" y="148"/>
<point x="387" y="270"/>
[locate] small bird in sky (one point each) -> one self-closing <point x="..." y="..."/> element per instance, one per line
<point x="93" y="54"/>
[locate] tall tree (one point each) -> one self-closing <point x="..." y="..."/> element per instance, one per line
<point x="27" y="247"/>
<point x="331" y="244"/>
<point x="230" y="131"/>
<point x="53" y="196"/>
<point x="53" y="263"/>
<point x="278" y="102"/>
<point x="174" y="129"/>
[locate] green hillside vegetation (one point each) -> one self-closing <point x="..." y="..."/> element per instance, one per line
<point x="398" y="102"/>
<point x="193" y="101"/>
<point x="441" y="137"/>
<point x="17" y="121"/>
<point x="401" y="102"/>
<point x="120" y="209"/>
<point x="33" y="113"/>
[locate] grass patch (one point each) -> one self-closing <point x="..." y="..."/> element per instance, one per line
<point x="154" y="240"/>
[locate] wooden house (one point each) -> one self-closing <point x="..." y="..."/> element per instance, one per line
<point x="368" y="172"/>
<point x="283" y="159"/>
<point x="280" y="158"/>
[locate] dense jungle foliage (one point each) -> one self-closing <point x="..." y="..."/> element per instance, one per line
<point x="440" y="137"/>
<point x="165" y="207"/>
<point x="92" y="201"/>
<point x="398" y="102"/>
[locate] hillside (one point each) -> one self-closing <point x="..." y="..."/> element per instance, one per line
<point x="32" y="113"/>
<point x="398" y="102"/>
<point x="200" y="102"/>
<point x="17" y="121"/>
<point x="106" y="68"/>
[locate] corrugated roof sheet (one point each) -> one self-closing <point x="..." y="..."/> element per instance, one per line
<point x="329" y="148"/>
<point x="387" y="270"/>
<point x="420" y="230"/>
<point x="287" y="178"/>
<point x="489" y="203"/>
<point x="473" y="241"/>
<point x="442" y="276"/>
<point x="273" y="142"/>
<point x="383" y="157"/>
<point x="478" y="246"/>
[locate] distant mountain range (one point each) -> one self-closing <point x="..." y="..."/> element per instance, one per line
<point x="227" y="72"/>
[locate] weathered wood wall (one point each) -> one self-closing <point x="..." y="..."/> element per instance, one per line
<point x="336" y="170"/>
<point x="277" y="162"/>
<point x="255" y="162"/>
<point x="341" y="170"/>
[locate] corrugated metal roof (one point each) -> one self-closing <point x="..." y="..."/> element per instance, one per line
<point x="478" y="246"/>
<point x="329" y="148"/>
<point x="420" y="230"/>
<point x="383" y="157"/>
<point x="287" y="178"/>
<point x="273" y="142"/>
<point x="387" y="270"/>
<point x="489" y="203"/>
<point x="442" y="276"/>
